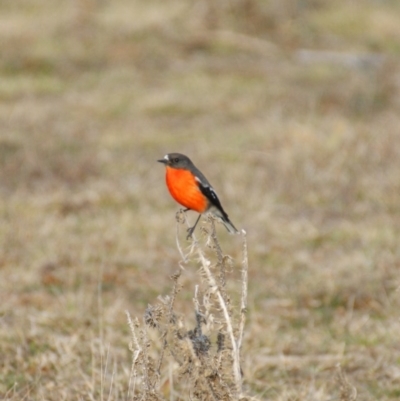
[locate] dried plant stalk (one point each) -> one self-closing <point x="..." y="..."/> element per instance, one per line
<point x="206" y="358"/>
<point x="228" y="322"/>
<point x="243" y="300"/>
<point x="347" y="391"/>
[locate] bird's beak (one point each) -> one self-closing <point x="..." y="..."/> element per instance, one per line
<point x="165" y="160"/>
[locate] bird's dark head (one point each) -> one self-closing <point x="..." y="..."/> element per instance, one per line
<point x="176" y="160"/>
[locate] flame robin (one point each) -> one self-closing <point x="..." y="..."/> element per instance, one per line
<point x="188" y="186"/>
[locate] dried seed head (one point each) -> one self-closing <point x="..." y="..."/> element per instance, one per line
<point x="176" y="275"/>
<point x="200" y="319"/>
<point x="152" y="315"/>
<point x="220" y="342"/>
<point x="201" y="343"/>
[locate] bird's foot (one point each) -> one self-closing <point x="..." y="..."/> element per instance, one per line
<point x="190" y="232"/>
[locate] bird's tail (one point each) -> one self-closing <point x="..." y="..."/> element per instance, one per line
<point x="223" y="217"/>
<point x="229" y="226"/>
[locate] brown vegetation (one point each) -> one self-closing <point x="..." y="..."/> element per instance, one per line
<point x="292" y="111"/>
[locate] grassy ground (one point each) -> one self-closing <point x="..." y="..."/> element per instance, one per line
<point x="303" y="148"/>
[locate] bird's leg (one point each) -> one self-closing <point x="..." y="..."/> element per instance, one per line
<point x="191" y="229"/>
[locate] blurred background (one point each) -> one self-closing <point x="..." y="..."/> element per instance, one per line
<point x="291" y="108"/>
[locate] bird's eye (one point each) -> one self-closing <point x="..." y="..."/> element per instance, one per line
<point x="176" y="160"/>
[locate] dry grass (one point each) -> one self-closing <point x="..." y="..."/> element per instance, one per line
<point x="302" y="147"/>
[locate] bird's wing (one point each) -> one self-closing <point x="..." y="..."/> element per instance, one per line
<point x="208" y="191"/>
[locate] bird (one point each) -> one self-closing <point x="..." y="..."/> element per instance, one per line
<point x="190" y="188"/>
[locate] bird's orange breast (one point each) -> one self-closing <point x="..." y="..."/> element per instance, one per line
<point x="184" y="189"/>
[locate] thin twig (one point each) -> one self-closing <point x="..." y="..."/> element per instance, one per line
<point x="218" y="251"/>
<point x="195" y="299"/>
<point x="112" y="381"/>
<point x="175" y="290"/>
<point x="229" y="328"/>
<point x="178" y="245"/>
<point x="181" y="218"/>
<point x="146" y="364"/>
<point x="136" y="349"/>
<point x="243" y="301"/>
<point x="104" y="374"/>
<point x="347" y="391"/>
